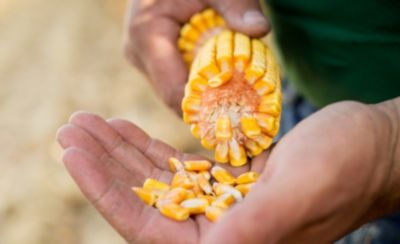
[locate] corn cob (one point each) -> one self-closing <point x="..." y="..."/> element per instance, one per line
<point x="233" y="96"/>
<point x="191" y="191"/>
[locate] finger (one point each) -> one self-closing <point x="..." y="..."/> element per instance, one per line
<point x="155" y="150"/>
<point x="243" y="16"/>
<point x="113" y="199"/>
<point x="72" y="136"/>
<point x="153" y="39"/>
<point x="125" y="153"/>
<point x="259" y="163"/>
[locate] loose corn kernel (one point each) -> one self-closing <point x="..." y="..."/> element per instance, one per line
<point x="195" y="205"/>
<point x="197" y="165"/>
<point x="244" y="188"/>
<point x="205" y="174"/>
<point x="174" y="164"/>
<point x="176" y="195"/>
<point x="182" y="179"/>
<point x="147" y="196"/>
<point x="221" y="189"/>
<point x="204" y="184"/>
<point x="224" y="201"/>
<point x="213" y="213"/>
<point x="175" y="211"/>
<point x="248" y="177"/>
<point x="222" y="175"/>
<point x="155" y="186"/>
<point x="209" y="198"/>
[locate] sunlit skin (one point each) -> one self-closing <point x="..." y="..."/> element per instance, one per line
<point x="323" y="179"/>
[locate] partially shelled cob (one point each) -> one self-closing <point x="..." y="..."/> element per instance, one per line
<point x="233" y="95"/>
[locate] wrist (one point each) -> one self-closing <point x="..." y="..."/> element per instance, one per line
<point x="386" y="117"/>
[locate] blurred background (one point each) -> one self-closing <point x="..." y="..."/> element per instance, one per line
<point x="57" y="57"/>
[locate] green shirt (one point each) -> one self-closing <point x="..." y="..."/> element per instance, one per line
<point x="339" y="49"/>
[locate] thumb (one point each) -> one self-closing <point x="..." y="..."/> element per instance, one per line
<point x="244" y="16"/>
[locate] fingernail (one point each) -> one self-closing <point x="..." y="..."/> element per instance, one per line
<point x="254" y="17"/>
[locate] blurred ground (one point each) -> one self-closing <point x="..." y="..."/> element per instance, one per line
<point x="57" y="57"/>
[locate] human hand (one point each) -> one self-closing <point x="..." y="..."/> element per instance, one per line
<point x="107" y="158"/>
<point x="152" y="31"/>
<point x="333" y="172"/>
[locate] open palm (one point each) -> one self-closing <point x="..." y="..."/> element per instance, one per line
<point x="107" y="158"/>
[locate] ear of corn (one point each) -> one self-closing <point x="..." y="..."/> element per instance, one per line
<point x="233" y="96"/>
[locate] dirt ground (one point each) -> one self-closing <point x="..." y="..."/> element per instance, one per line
<point x="57" y="57"/>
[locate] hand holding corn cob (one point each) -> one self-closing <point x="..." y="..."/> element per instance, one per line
<point x="151" y="32"/>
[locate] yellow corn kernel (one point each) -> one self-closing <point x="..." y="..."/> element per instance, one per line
<point x="237" y="154"/>
<point x="185" y="45"/>
<point x="214" y="213"/>
<point x="190" y="118"/>
<point x="196" y="188"/>
<point x="191" y="104"/>
<point x="257" y="64"/>
<point x="209" y="198"/>
<point x="197" y="83"/>
<point x="176" y="195"/>
<point x="195" y="130"/>
<point x="263" y="87"/>
<point x="221" y="154"/>
<point x="204" y="184"/>
<point x="222" y="175"/>
<point x="190" y="194"/>
<point x="209" y="16"/>
<point x="250" y="126"/>
<point x="147" y="196"/>
<point x="244" y="188"/>
<point x="155" y="186"/>
<point x="263" y="141"/>
<point x="175" y="212"/>
<point x="248" y="177"/>
<point x="206" y="174"/>
<point x="241" y="51"/>
<point x="174" y="164"/>
<point x="207" y="143"/>
<point x="190" y="33"/>
<point x="265" y="121"/>
<point x="198" y="22"/>
<point x="275" y="131"/>
<point x="197" y="165"/>
<point x="253" y="147"/>
<point x="225" y="50"/>
<point x="182" y="179"/>
<point x="220" y="79"/>
<point x="220" y="189"/>
<point x="271" y="109"/>
<point x="224" y="201"/>
<point x="219" y="21"/>
<point x="208" y="67"/>
<point x="223" y="128"/>
<point x="195" y="205"/>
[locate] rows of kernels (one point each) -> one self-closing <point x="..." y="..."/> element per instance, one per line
<point x="200" y="28"/>
<point x="196" y="188"/>
<point x="233" y="124"/>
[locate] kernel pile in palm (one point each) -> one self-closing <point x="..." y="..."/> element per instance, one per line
<point x="197" y="187"/>
<point x="233" y="96"/>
